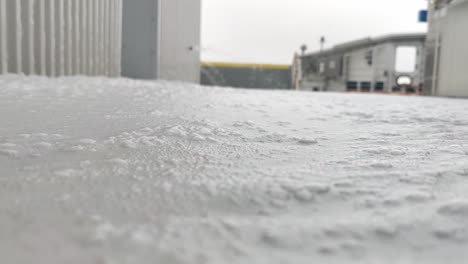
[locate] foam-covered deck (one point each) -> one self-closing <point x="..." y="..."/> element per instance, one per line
<point x="96" y="170"/>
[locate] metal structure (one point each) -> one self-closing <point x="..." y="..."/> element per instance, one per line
<point x="161" y="39"/>
<point x="60" y="37"/>
<point x="447" y="49"/>
<point x="244" y="75"/>
<point x="367" y="65"/>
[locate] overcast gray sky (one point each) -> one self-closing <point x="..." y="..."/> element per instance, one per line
<point x="269" y="31"/>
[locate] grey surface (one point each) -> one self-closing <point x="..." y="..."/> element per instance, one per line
<point x="161" y="39"/>
<point x="140" y="39"/>
<point x="129" y="172"/>
<point x="261" y="78"/>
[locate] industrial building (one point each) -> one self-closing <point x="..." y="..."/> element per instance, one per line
<point x="447" y="49"/>
<point x="244" y="75"/>
<point x="393" y="63"/>
<point x="146" y="39"/>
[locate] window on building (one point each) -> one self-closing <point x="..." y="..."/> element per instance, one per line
<point x="366" y="86"/>
<point x="332" y="65"/>
<point x="396" y="89"/>
<point x="310" y="67"/>
<point x="379" y="86"/>
<point x="410" y="90"/>
<point x="404" y="80"/>
<point x="322" y="67"/>
<point x="344" y="61"/>
<point x="406" y="59"/>
<point x="369" y="57"/>
<point x="351" y="86"/>
<point x="439" y="4"/>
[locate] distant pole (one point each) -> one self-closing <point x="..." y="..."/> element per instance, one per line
<point x="325" y="80"/>
<point x="303" y="49"/>
<point x="322" y="43"/>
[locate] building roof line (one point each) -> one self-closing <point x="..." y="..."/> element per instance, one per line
<point x="245" y="65"/>
<point x="356" y="44"/>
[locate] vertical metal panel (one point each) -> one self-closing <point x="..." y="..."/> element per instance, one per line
<point x="60" y="37"/>
<point x="3" y="37"/>
<point x="90" y="37"/>
<point x="140" y="30"/>
<point x="94" y="9"/>
<point x="180" y="40"/>
<point x="97" y="40"/>
<point x="111" y="36"/>
<point x="76" y="39"/>
<point x="52" y="39"/>
<point x="31" y="39"/>
<point x="42" y="36"/>
<point x="61" y="10"/>
<point x="19" y="37"/>
<point x="102" y="34"/>
<point x="118" y="62"/>
<point x="83" y="43"/>
<point x="69" y="34"/>
<point x="106" y="37"/>
<point x="451" y="75"/>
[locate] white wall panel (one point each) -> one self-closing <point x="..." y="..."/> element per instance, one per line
<point x="180" y="40"/>
<point x="453" y="76"/>
<point x="161" y="39"/>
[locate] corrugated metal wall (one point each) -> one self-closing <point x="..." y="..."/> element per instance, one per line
<point x="60" y="37"/>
